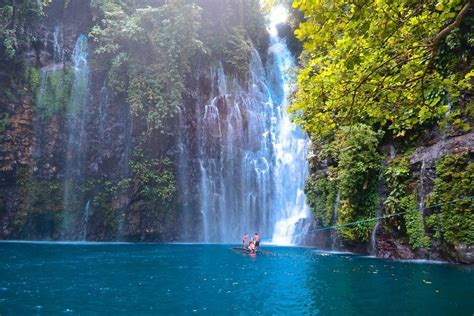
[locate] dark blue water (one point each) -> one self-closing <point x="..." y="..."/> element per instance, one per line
<point x="213" y="279"/>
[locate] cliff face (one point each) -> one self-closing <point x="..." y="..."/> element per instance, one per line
<point x="435" y="186"/>
<point x="436" y="164"/>
<point x="79" y="161"/>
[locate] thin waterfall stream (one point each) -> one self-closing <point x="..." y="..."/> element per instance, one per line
<point x="76" y="137"/>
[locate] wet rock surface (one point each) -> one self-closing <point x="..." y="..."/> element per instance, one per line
<point x="465" y="253"/>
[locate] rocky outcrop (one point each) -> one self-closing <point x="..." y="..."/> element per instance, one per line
<point x="390" y="237"/>
<point x="444" y="146"/>
<point x="465" y="253"/>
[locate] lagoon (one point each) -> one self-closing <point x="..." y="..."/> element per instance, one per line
<point x="179" y="279"/>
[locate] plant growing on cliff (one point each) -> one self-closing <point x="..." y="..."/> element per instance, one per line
<point x="4" y="122"/>
<point x="148" y="47"/>
<point x="401" y="200"/>
<point x="454" y="189"/>
<point x="236" y="53"/>
<point x="52" y="90"/>
<point x="321" y="193"/>
<point x="356" y="165"/>
<point x="417" y="237"/>
<point x="154" y="179"/>
<point x="17" y="21"/>
<point x="396" y="176"/>
<point x="229" y="29"/>
<point x="150" y="50"/>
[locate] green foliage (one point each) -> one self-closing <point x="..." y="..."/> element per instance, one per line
<point x="396" y="178"/>
<point x="354" y="173"/>
<point x="17" y="21"/>
<point x="375" y="62"/>
<point x="236" y="53"/>
<point x="229" y="30"/>
<point x="46" y="196"/>
<point x="414" y="223"/>
<point x="33" y="78"/>
<point x="52" y="93"/>
<point x="42" y="203"/>
<point x="155" y="179"/>
<point x="104" y="203"/>
<point x="355" y="150"/>
<point x="147" y="48"/>
<point x="365" y="208"/>
<point x="150" y="50"/>
<point x="321" y="193"/>
<point x="454" y="185"/>
<point x="4" y="122"/>
<point x="433" y="223"/>
<point x="455" y="59"/>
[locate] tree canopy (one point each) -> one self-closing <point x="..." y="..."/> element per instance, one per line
<point x="381" y="63"/>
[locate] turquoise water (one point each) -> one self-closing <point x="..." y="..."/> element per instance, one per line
<point x="37" y="278"/>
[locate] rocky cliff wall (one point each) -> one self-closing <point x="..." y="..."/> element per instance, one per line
<point x="435" y="220"/>
<point x="77" y="160"/>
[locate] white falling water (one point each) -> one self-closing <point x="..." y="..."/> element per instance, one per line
<point x="234" y="156"/>
<point x="85" y="228"/>
<point x="251" y="160"/>
<point x="58" y="51"/>
<point x="77" y="137"/>
<point x="421" y="193"/>
<point x="290" y="147"/>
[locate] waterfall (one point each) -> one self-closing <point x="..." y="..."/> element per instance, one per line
<point x="250" y="159"/>
<point x="51" y="90"/>
<point x="421" y="193"/>
<point x="234" y="156"/>
<point x="290" y="147"/>
<point x="379" y="213"/>
<point x="87" y="209"/>
<point x="335" y="232"/>
<point x="382" y="194"/>
<point x="76" y="136"/>
<point x="58" y="51"/>
<point x="373" y="238"/>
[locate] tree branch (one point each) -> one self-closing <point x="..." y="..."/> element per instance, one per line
<point x="444" y="32"/>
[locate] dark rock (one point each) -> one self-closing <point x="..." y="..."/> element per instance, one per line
<point x="452" y="145"/>
<point x="465" y="253"/>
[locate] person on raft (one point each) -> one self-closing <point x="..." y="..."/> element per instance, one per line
<point x="252" y="248"/>
<point x="244" y="241"/>
<point x="256" y="240"/>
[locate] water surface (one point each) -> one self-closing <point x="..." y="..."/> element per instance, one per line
<point x="52" y="278"/>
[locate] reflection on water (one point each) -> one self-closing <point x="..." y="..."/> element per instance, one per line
<point x="214" y="279"/>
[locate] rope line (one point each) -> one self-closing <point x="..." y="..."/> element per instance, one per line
<point x="375" y="218"/>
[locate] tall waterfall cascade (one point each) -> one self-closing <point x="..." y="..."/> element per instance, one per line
<point x="251" y="158"/>
<point x="290" y="147"/>
<point x="76" y="135"/>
